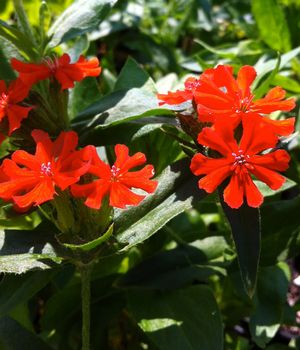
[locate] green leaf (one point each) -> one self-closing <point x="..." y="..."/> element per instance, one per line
<point x="23" y="251"/>
<point x="280" y="230"/>
<point x="119" y="107"/>
<point x="286" y="83"/>
<point x="83" y="95"/>
<point x="264" y="66"/>
<point x="133" y="76"/>
<point x="13" y="335"/>
<point x="267" y="191"/>
<point x="22" y="263"/>
<point x="13" y="221"/>
<point x="92" y="244"/>
<point x="6" y="72"/>
<point x="269" y="301"/>
<point x="175" y="268"/>
<point x="16" y="290"/>
<point x="177" y="191"/>
<point x="79" y="18"/>
<point x="263" y="88"/>
<point x="19" y="40"/>
<point x="245" y="227"/>
<point x="185" y="319"/>
<point x="272" y="24"/>
<point x="218" y="52"/>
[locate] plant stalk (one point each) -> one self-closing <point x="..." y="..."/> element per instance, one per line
<point x="85" y="272"/>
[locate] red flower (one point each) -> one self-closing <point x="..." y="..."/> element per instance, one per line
<point x="59" y="68"/>
<point x="180" y="96"/>
<point x="28" y="179"/>
<point x="239" y="162"/>
<point x="117" y="181"/>
<point x="220" y="96"/>
<point x="9" y="103"/>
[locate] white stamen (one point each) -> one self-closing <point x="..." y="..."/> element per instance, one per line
<point x="46" y="169"/>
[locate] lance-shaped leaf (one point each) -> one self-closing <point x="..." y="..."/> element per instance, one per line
<point x="176" y="192"/>
<point x="16" y="290"/>
<point x="269" y="301"/>
<point x="119" y="107"/>
<point x="184" y="319"/>
<point x="79" y="18"/>
<point x="245" y="227"/>
<point x="133" y="75"/>
<point x="19" y="40"/>
<point x="280" y="228"/>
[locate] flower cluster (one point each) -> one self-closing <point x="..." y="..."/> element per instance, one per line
<point x="28" y="179"/>
<point x="12" y="98"/>
<point x="32" y="179"/>
<point x="229" y="105"/>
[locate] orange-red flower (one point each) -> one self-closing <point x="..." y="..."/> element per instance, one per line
<point x="61" y="69"/>
<point x="28" y="179"/>
<point x="117" y="181"/>
<point x="9" y="103"/>
<point x="180" y="96"/>
<point x="240" y="161"/>
<point x="220" y="96"/>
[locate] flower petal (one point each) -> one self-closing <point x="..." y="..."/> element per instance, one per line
<point x="245" y="78"/>
<point x="201" y="164"/>
<point x="278" y="160"/>
<point x="253" y="196"/>
<point x="257" y="136"/>
<point x="121" y="196"/>
<point x="42" y="192"/>
<point x="94" y="192"/>
<point x="140" y="179"/>
<point x="210" y="182"/>
<point x="30" y="73"/>
<point x="15" y="115"/>
<point x="269" y="177"/>
<point x="280" y="127"/>
<point x="220" y="140"/>
<point x="124" y="162"/>
<point x="234" y="192"/>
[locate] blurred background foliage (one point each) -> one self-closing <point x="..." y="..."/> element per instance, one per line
<point x="181" y="288"/>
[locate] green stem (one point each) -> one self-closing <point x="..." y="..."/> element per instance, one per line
<point x="85" y="272"/>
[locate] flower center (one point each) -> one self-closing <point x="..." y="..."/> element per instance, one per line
<point x="240" y="158"/>
<point x="192" y="85"/>
<point x="114" y="171"/>
<point x="51" y="63"/>
<point x="46" y="169"/>
<point x="244" y="104"/>
<point x="3" y="100"/>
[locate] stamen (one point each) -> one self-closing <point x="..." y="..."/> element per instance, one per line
<point x="115" y="170"/>
<point x="193" y="85"/>
<point x="46" y="169"/>
<point x="240" y="158"/>
<point x="51" y="63"/>
<point x="245" y="104"/>
<point x="3" y="100"/>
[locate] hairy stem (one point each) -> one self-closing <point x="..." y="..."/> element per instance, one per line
<point x="85" y="272"/>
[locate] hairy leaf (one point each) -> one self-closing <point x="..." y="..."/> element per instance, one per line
<point x="79" y="18"/>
